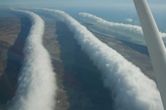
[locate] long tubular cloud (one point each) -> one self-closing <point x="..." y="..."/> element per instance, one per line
<point x="37" y="83"/>
<point x="132" y="33"/>
<point x="129" y="87"/>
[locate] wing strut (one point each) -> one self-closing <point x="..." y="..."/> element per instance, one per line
<point x="155" y="45"/>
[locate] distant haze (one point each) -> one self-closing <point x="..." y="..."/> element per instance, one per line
<point x="75" y="3"/>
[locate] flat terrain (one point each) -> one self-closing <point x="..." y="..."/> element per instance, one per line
<point x="9" y="29"/>
<point x="80" y="84"/>
<point x="14" y="29"/>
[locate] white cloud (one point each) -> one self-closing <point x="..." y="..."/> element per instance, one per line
<point x="37" y="87"/>
<point x="129" y="87"/>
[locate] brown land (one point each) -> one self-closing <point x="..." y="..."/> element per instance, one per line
<point x="9" y="29"/>
<point x="52" y="45"/>
<point x="80" y="85"/>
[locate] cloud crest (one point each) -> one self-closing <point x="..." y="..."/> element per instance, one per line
<point x="37" y="83"/>
<point x="129" y="87"/>
<point x="127" y="32"/>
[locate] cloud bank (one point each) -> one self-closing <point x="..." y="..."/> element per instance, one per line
<point x="37" y="83"/>
<point x="129" y="87"/>
<point x="128" y="32"/>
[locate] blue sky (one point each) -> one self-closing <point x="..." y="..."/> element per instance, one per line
<point x="76" y="3"/>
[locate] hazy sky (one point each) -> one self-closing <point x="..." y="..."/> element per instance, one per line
<point x="75" y="3"/>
